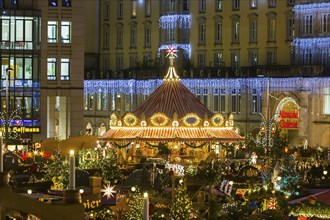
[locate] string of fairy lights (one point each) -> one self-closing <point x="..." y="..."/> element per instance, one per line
<point x="211" y="86"/>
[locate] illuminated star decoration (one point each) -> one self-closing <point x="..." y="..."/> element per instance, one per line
<point x="108" y="191"/>
<point x="272" y="203"/>
<point x="171" y="51"/>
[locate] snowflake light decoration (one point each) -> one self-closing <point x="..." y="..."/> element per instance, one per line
<point x="108" y="191"/>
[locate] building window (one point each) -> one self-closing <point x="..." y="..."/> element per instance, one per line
<point x="65" y="69"/>
<point x="271" y="27"/>
<point x="218" y="5"/>
<point x="325" y="23"/>
<point x="171" y="35"/>
<point x="106" y="11"/>
<point x="235" y="101"/>
<point x="271" y="3"/>
<point x="99" y="100"/>
<point x="290" y="29"/>
<point x="308" y="24"/>
<point x="105" y="101"/>
<point x="133" y="37"/>
<point x="66" y="32"/>
<point x="128" y="103"/>
<point x="235" y="30"/>
<point x="253" y="38"/>
<point x="256" y="103"/>
<point x="253" y="57"/>
<point x="119" y="36"/>
<point x="106" y="39"/>
<point x="253" y="4"/>
<point x="185" y="7"/>
<point x="51" y="69"/>
<point x="52" y="3"/>
<point x="271" y="56"/>
<point x="118" y="102"/>
<point x="201" y="30"/>
<point x="147" y="8"/>
<point x="235" y="60"/>
<point x="132" y="60"/>
<point x="218" y="31"/>
<point x="325" y="57"/>
<point x="201" y="59"/>
<point x="119" y="62"/>
<point x="307" y="57"/>
<point x="90" y="101"/>
<point x="291" y="2"/>
<point x="235" y="4"/>
<point x="327" y="101"/>
<point x="216" y="101"/>
<point x="147" y="60"/>
<point x="147" y="36"/>
<point x="202" y="5"/>
<point x="223" y="101"/>
<point x="171" y="6"/>
<point x="66" y="3"/>
<point x="120" y="10"/>
<point x="133" y="8"/>
<point x="218" y="59"/>
<point x="52" y="31"/>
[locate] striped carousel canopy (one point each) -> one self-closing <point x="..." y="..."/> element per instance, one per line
<point x="171" y="113"/>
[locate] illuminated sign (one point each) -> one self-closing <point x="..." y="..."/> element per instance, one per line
<point x="21" y="130"/>
<point x="288" y="114"/>
<point x="92" y="204"/>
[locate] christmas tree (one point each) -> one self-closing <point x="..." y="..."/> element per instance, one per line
<point x="135" y="205"/>
<point x="110" y="170"/>
<point x="182" y="207"/>
<point x="58" y="172"/>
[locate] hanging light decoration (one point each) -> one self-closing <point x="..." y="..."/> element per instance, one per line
<point x="174" y="21"/>
<point x="259" y="85"/>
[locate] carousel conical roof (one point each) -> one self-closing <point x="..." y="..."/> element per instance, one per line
<point x="172" y="97"/>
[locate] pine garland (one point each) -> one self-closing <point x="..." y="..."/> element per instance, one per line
<point x="58" y="170"/>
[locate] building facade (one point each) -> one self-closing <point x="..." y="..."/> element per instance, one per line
<point x="41" y="53"/>
<point x="223" y="46"/>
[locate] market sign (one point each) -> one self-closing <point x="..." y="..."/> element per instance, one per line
<point x="288" y="114"/>
<point x="21" y="130"/>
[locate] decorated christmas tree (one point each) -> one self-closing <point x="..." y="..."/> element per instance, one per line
<point x="182" y="207"/>
<point x="109" y="167"/>
<point x="58" y="173"/>
<point x="135" y="205"/>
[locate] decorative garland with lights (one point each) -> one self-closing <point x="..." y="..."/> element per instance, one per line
<point x="121" y="146"/>
<point x="317" y="211"/>
<point x="195" y="146"/>
<point x="173" y="21"/>
<point x="258" y="85"/>
<point x="311" y="8"/>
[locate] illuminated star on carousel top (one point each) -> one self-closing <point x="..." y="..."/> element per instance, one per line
<point x="171" y="52"/>
<point x="171" y="73"/>
<point x="108" y="191"/>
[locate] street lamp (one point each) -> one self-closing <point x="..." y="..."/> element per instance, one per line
<point x="8" y="70"/>
<point x="6" y="121"/>
<point x="268" y="125"/>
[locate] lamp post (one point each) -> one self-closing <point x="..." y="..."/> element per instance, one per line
<point x="8" y="70"/>
<point x="268" y="125"/>
<point x="3" y="175"/>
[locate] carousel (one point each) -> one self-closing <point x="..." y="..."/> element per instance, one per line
<point x="171" y="124"/>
